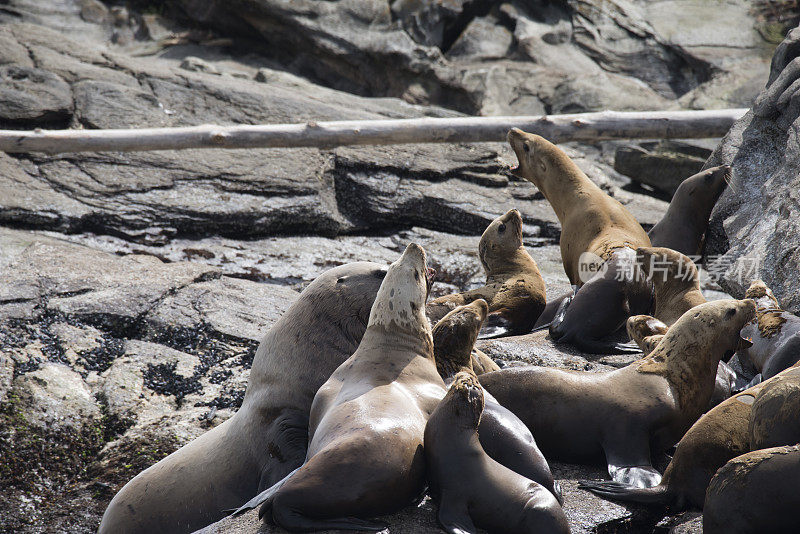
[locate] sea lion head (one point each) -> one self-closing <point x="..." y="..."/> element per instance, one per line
<point x="723" y="319"/>
<point x="762" y="294"/>
<point x="667" y="267"/>
<point x="465" y="400"/>
<point x="500" y="239"/>
<point x="537" y="157"/>
<point x="400" y="302"/>
<point x="707" y="185"/>
<point x="455" y="334"/>
<point x="642" y="326"/>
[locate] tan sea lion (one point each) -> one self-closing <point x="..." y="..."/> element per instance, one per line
<point x="684" y="225"/>
<point x="755" y="493"/>
<point x="629" y="413"/>
<point x="482" y="363"/>
<point x="367" y="421"/>
<point x="775" y="418"/>
<point x="591" y="221"/>
<point x="472" y="489"/>
<point x="718" y="436"/>
<point x="676" y="282"/>
<point x="268" y="435"/>
<point x="514" y="287"/>
<point x="775" y="335"/>
<point x="646" y="331"/>
<point x="598" y="240"/>
<point x="503" y="436"/>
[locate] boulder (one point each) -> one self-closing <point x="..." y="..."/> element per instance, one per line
<point x="662" y="165"/>
<point x="756" y="223"/>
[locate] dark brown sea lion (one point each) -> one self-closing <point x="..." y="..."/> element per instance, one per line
<point x="775" y="335"/>
<point x="268" y="435"/>
<point x="472" y="489"/>
<point x="598" y="239"/>
<point x="514" y="287"/>
<point x="684" y="225"/>
<point x="629" y="413"/>
<point x="718" y="436"/>
<point x="676" y="282"/>
<point x="367" y="421"/>
<point x="502" y="435"/>
<point x="755" y="493"/>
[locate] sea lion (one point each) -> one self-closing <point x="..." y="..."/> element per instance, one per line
<point x="514" y="287"/>
<point x="472" y="489"/>
<point x="591" y="221"/>
<point x="627" y="413"/>
<point x="646" y="331"/>
<point x="598" y="235"/>
<point x="368" y="420"/>
<point x="502" y="435"/>
<point x="718" y="436"/>
<point x="267" y="437"/>
<point x="775" y="335"/>
<point x="684" y="225"/>
<point x="755" y="493"/>
<point x="482" y="363"/>
<point x="676" y="282"/>
<point x="775" y="419"/>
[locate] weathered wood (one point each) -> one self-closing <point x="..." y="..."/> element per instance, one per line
<point x="557" y="128"/>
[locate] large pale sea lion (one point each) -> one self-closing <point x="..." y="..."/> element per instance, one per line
<point x="472" y="489"/>
<point x="514" y="288"/>
<point x="630" y="413"/>
<point x="503" y="436"/>
<point x="775" y="336"/>
<point x="367" y="421"/>
<point x="684" y="225"/>
<point x="718" y="436"/>
<point x="598" y="241"/>
<point x="755" y="493"/>
<point x="268" y="436"/>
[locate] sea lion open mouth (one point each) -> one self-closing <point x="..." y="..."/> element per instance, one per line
<point x="430" y="273"/>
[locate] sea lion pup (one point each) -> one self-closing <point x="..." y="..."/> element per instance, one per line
<point x="591" y="221"/>
<point x="502" y="435"/>
<point x="368" y="420"/>
<point x="755" y="493"/>
<point x="775" y="336"/>
<point x="676" y="282"/>
<point x="627" y="413"/>
<point x="514" y="287"/>
<point x="646" y="331"/>
<point x="684" y="225"/>
<point x="598" y="235"/>
<point x="268" y="435"/>
<point x="718" y="436"/>
<point x="472" y="489"/>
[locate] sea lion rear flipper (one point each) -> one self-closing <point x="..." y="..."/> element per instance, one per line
<point x="593" y="346"/>
<point x="628" y="459"/>
<point x="556" y="330"/>
<point x="638" y="476"/>
<point x="454" y="518"/>
<point x="624" y="492"/>
<point x="262" y="497"/>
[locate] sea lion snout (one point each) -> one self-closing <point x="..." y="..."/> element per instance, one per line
<point x="481" y="309"/>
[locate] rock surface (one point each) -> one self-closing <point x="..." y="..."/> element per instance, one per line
<point x="136" y="286"/>
<point x="756" y="223"/>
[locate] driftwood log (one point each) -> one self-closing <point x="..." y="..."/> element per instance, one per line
<point x="557" y="128"/>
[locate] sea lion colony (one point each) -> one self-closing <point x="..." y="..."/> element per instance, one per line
<point x="363" y="394"/>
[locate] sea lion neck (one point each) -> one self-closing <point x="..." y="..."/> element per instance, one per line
<point x="518" y="261"/>
<point x="449" y="365"/>
<point x="419" y="342"/>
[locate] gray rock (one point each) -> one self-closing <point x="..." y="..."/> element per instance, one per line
<point x="31" y="97"/>
<point x="754" y="226"/>
<point x="662" y="165"/>
<point x="484" y="38"/>
<point x="55" y="398"/>
<point x="93" y="11"/>
<point x="6" y="374"/>
<point x="195" y="64"/>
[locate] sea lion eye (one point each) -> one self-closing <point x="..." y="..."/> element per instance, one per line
<point x="526" y="147"/>
<point x="501" y="228"/>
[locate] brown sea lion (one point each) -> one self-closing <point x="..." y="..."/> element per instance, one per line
<point x="632" y="412"/>
<point x="472" y="489"/>
<point x="514" y="287"/>
<point x="368" y="420"/>
<point x="502" y="435"/>
<point x="718" y="436"/>
<point x="684" y="225"/>
<point x="598" y="239"/>
<point x="268" y="435"/>
<point x="775" y="418"/>
<point x="755" y="493"/>
<point x="775" y="335"/>
<point x="591" y="221"/>
<point x="646" y="331"/>
<point x="676" y="282"/>
<point x="482" y="363"/>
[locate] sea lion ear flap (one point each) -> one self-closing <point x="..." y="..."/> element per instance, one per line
<point x="744" y="343"/>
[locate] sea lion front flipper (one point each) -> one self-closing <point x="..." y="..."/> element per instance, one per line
<point x="498" y="326"/>
<point x="262" y="497"/>
<point x="555" y="326"/>
<point x="629" y="459"/>
<point x="454" y="517"/>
